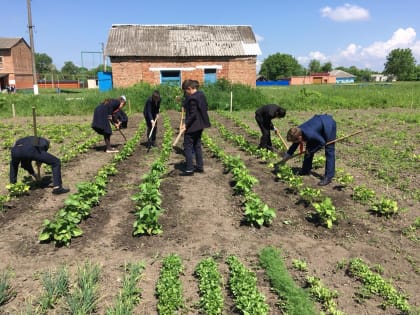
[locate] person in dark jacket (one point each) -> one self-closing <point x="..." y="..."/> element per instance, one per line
<point x="28" y="149"/>
<point x="151" y="114"/>
<point x="315" y="132"/>
<point x="196" y="119"/>
<point x="264" y="116"/>
<point x="102" y="118"/>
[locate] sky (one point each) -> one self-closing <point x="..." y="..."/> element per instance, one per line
<point x="345" y="33"/>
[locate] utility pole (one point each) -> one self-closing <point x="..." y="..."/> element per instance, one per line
<point x="31" y="38"/>
<point x="103" y="57"/>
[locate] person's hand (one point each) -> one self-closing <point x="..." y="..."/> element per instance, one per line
<point x="118" y="125"/>
<point x="183" y="128"/>
<point x="153" y="122"/>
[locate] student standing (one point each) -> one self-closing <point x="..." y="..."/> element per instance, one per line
<point x="151" y="114"/>
<point x="196" y="120"/>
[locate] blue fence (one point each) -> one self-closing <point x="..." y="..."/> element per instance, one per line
<point x="273" y="83"/>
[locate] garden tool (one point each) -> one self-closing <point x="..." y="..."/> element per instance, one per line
<point x="276" y="131"/>
<point x="149" y="142"/>
<point x="181" y="124"/>
<point x="36" y="142"/>
<point x="331" y="142"/>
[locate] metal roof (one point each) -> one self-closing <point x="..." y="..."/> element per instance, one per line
<point x="9" y="42"/>
<point x="181" y="41"/>
<point x="341" y="74"/>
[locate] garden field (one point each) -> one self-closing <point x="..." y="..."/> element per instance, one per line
<point x="266" y="240"/>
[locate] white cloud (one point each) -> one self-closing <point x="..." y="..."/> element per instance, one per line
<point x="402" y="38"/>
<point x="373" y="56"/>
<point x="345" y="13"/>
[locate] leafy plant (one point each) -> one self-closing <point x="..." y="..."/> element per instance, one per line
<point x="386" y="207"/>
<point x="18" y="189"/>
<point x="363" y="194"/>
<point x="326" y="211"/>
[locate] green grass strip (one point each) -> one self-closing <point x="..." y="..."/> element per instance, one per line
<point x="292" y="298"/>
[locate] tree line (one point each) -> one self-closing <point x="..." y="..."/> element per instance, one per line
<point x="46" y="70"/>
<point x="400" y="64"/>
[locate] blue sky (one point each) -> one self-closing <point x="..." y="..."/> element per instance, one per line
<point x="346" y="33"/>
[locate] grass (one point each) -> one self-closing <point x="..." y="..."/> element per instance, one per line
<point x="292" y="298"/>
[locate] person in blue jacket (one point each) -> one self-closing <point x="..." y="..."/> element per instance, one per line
<point x="315" y="132"/>
<point x="196" y="120"/>
<point x="102" y="117"/>
<point x="31" y="148"/>
<point x="151" y="114"/>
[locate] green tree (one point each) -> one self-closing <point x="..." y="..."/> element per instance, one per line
<point x="402" y="64"/>
<point x="43" y="63"/>
<point x="69" y="69"/>
<point x="326" y="67"/>
<point x="314" y="66"/>
<point x="279" y="66"/>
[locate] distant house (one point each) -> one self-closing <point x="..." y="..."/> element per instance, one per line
<point x="15" y="63"/>
<point x="313" y="78"/>
<point x="342" y="77"/>
<point x="382" y="78"/>
<point x="172" y="53"/>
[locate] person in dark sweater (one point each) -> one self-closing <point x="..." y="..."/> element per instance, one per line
<point x="196" y="120"/>
<point x="102" y="117"/>
<point x="264" y="116"/>
<point x="151" y="114"/>
<point x="315" y="132"/>
<point x="31" y="148"/>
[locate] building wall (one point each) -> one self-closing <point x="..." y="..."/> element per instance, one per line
<point x="129" y="71"/>
<point x="17" y="62"/>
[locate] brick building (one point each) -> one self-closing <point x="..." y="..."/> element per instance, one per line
<point x="15" y="63"/>
<point x="172" y="53"/>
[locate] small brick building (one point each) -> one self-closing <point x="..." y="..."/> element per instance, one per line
<point x="172" y="53"/>
<point x="15" y="63"/>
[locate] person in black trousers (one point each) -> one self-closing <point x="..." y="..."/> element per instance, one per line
<point x="28" y="149"/>
<point x="196" y="119"/>
<point x="102" y="117"/>
<point x="151" y="114"/>
<point x="263" y="116"/>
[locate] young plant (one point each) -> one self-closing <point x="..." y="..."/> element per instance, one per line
<point x="326" y="212"/>
<point x="386" y="207"/>
<point x="17" y="190"/>
<point x="6" y="292"/>
<point x="363" y="194"/>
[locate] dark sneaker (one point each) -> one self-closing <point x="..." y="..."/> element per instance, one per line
<point x="304" y="173"/>
<point x="198" y="170"/>
<point x="60" y="190"/>
<point x="187" y="173"/>
<point x="324" y="182"/>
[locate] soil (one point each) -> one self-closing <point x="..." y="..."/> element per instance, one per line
<point x="203" y="218"/>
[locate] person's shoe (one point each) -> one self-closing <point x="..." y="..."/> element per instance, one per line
<point x="198" y="170"/>
<point x="187" y="173"/>
<point x="60" y="190"/>
<point x="325" y="181"/>
<point x="303" y="173"/>
<point x="112" y="150"/>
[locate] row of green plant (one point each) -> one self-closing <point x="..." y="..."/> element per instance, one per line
<point x="130" y="294"/>
<point x="243" y="285"/>
<point x="77" y="206"/>
<point x="256" y="211"/>
<point x="169" y="286"/>
<point x="148" y="199"/>
<point x="293" y="300"/>
<point x="210" y="287"/>
<point x="375" y="284"/>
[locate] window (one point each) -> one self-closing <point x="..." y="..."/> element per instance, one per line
<point x="210" y="76"/>
<point x="1" y="62"/>
<point x="171" y="77"/>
